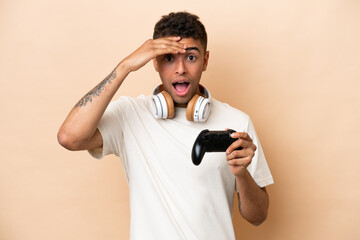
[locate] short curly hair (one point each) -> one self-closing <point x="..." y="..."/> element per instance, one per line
<point x="182" y="24"/>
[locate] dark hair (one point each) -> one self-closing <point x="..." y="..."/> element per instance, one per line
<point x="182" y="24"/>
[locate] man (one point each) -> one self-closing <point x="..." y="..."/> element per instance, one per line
<point x="170" y="198"/>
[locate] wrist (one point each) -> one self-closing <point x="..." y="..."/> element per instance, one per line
<point x="124" y="67"/>
<point x="242" y="174"/>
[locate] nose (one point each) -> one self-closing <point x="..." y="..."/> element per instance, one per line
<point x="180" y="67"/>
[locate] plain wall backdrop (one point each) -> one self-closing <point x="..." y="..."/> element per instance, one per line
<point x="293" y="66"/>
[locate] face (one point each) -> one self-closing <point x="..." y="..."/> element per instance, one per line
<point x="181" y="73"/>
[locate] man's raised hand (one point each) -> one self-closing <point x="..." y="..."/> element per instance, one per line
<point x="151" y="49"/>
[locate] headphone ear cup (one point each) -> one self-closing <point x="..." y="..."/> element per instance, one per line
<point x="162" y="106"/>
<point x="190" y="109"/>
<point x="198" y="109"/>
<point x="169" y="104"/>
<point x="203" y="106"/>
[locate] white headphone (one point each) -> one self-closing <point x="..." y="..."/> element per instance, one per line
<point x="197" y="110"/>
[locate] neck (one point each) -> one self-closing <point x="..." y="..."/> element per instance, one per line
<point x="182" y="105"/>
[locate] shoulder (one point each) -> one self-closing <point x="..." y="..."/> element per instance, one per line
<point x="223" y="115"/>
<point x="227" y="110"/>
<point x="126" y="101"/>
<point x="128" y="105"/>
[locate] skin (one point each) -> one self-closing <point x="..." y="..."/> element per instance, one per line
<point x="254" y="201"/>
<point x="79" y="130"/>
<point x="186" y="67"/>
<point x="175" y="59"/>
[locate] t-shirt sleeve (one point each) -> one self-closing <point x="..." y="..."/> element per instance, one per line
<point x="258" y="168"/>
<point x="111" y="129"/>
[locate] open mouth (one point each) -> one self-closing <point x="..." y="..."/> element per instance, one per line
<point x="181" y="88"/>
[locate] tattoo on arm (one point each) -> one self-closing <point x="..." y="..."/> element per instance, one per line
<point x="96" y="90"/>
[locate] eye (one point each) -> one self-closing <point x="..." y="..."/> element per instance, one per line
<point x="168" y="58"/>
<point x="191" y="58"/>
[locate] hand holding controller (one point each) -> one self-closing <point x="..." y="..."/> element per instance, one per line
<point x="211" y="141"/>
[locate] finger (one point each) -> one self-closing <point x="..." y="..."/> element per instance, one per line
<point x="236" y="154"/>
<point x="172" y="38"/>
<point x="245" y="146"/>
<point x="242" y="135"/>
<point x="244" y="162"/>
<point x="176" y="38"/>
<point x="169" y="50"/>
<point x="163" y="48"/>
<point x="238" y="143"/>
<point x="171" y="41"/>
<point x="241" y="154"/>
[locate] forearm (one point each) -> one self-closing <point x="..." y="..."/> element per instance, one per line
<point x="79" y="128"/>
<point x="81" y="123"/>
<point x="253" y="200"/>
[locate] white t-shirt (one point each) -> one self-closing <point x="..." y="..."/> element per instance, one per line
<point x="170" y="197"/>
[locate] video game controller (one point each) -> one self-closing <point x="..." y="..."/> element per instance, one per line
<point x="211" y="141"/>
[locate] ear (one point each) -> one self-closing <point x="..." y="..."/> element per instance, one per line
<point x="206" y="60"/>
<point x="155" y="64"/>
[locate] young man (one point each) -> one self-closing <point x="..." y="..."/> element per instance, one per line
<point x="170" y="197"/>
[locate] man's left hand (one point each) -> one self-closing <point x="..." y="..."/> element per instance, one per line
<point x="239" y="160"/>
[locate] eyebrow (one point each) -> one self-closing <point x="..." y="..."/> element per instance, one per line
<point x="192" y="48"/>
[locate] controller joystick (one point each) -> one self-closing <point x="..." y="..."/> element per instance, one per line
<point x="211" y="141"/>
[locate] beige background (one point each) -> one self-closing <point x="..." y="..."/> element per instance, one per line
<point x="293" y="66"/>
